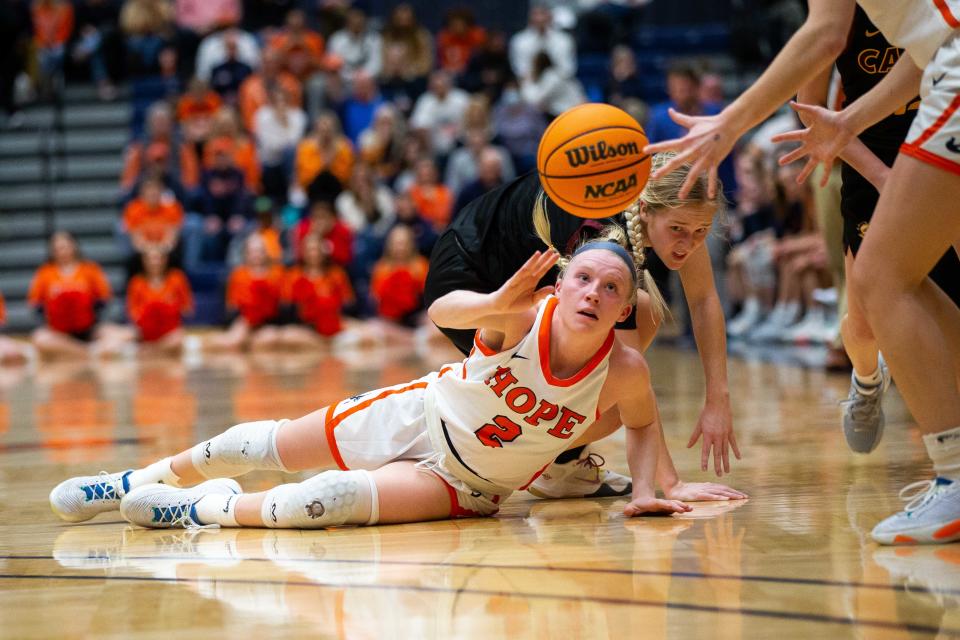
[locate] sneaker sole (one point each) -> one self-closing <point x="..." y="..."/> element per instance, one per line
<point x="940" y="534"/>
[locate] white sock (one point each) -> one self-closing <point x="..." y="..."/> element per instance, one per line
<point x="160" y="471"/>
<point x="218" y="508"/>
<point x="943" y="448"/>
<point x="869" y="383"/>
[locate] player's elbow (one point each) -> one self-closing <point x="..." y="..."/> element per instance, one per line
<point x="830" y="38"/>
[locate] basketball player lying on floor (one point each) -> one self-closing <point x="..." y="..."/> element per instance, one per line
<point x="454" y="443"/>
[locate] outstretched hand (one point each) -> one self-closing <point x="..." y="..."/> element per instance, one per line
<point x="822" y="141"/>
<point x="703" y="491"/>
<point x="651" y="505"/>
<point x="520" y="292"/>
<point x="716" y="426"/>
<point x="708" y="141"/>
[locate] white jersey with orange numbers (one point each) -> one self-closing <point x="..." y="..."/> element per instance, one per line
<point x="919" y="26"/>
<point x="499" y="418"/>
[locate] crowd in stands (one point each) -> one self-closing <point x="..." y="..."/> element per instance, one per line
<point x="310" y="159"/>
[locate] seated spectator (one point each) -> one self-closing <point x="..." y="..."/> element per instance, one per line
<point x="225" y="132"/>
<point x="203" y="16"/>
<point x="70" y="292"/>
<point x="178" y="161"/>
<point x="323" y="221"/>
<point x="254" y="292"/>
<point x="423" y="232"/>
<point x="223" y="201"/>
<point x="316" y="290"/>
<point x="396" y="83"/>
<point x="11" y="351"/>
<point x="97" y="43"/>
<point x="463" y="165"/>
<point x="279" y="127"/>
<point x="366" y="203"/>
<point x="226" y="77"/>
<point x="357" y="47"/>
<point x="540" y="36"/>
<point x="151" y="221"/>
<point x="414" y="43"/>
<point x="433" y="199"/>
<point x="213" y="51"/>
<point x="148" y="28"/>
<point x="380" y="145"/>
<point x="300" y="48"/>
<point x="413" y="149"/>
<point x="255" y="90"/>
<point x="398" y="279"/>
<point x="325" y="150"/>
<point x="488" y="70"/>
<point x="266" y="228"/>
<point x="519" y="127"/>
<point x="549" y="91"/>
<point x="157" y="167"/>
<point x="52" y="27"/>
<point x="459" y="38"/>
<point x="623" y="81"/>
<point x="195" y="110"/>
<point x="490" y="175"/>
<point x="358" y="109"/>
<point x="439" y="113"/>
<point x="157" y="300"/>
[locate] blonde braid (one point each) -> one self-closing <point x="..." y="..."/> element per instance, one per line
<point x="541" y="224"/>
<point x="658" y="306"/>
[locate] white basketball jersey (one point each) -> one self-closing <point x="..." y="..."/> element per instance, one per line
<point x="919" y="26"/>
<point x="503" y="416"/>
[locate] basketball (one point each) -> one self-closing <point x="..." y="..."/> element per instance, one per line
<point x="591" y="160"/>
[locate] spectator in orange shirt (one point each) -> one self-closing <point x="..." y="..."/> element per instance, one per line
<point x="52" y="27"/>
<point x="398" y="279"/>
<point x="157" y="300"/>
<point x="225" y="127"/>
<point x="317" y="291"/>
<point x="179" y="161"/>
<point x="255" y="90"/>
<point x="458" y="40"/>
<point x="433" y="199"/>
<point x="300" y="48"/>
<point x="151" y="220"/>
<point x="253" y="295"/>
<point x="70" y="292"/>
<point x="325" y="151"/>
<point x="195" y="110"/>
<point x="11" y="351"/>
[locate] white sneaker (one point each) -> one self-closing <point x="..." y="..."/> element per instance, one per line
<point x="747" y="319"/>
<point x="776" y="326"/>
<point x="810" y="328"/>
<point x="582" y="478"/>
<point x="932" y="515"/>
<point x="83" y="497"/>
<point x="160" y="506"/>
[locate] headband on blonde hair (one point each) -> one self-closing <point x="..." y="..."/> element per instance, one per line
<point x="616" y="248"/>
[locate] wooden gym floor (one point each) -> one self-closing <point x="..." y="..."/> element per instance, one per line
<point x="794" y="561"/>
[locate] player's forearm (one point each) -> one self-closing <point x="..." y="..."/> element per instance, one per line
<point x="667" y="476"/>
<point x="709" y="330"/>
<point x="895" y="90"/>
<point x="865" y="162"/>
<point x="461" y="309"/>
<point x="643" y="447"/>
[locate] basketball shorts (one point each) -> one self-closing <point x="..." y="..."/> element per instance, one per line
<point x="934" y="137"/>
<point x="370" y="430"/>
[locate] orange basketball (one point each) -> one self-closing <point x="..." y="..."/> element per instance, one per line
<point x="591" y="160"/>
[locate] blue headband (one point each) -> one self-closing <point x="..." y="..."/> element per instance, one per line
<point x="615" y="247"/>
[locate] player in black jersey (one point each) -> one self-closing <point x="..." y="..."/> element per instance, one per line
<point x="487" y="241"/>
<point x="865" y="61"/>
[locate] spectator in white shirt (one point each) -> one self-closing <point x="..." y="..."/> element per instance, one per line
<point x="213" y="51"/>
<point x="546" y="89"/>
<point x="440" y="111"/>
<point x="280" y="127"/>
<point x="357" y="47"/>
<point x="541" y="36"/>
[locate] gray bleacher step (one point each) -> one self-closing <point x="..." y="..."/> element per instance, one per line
<point x="15" y="283"/>
<point x="87" y="92"/>
<point x="66" y="194"/>
<point x="22" y="225"/>
<point x="74" y="167"/>
<point x="30" y="143"/>
<point x="21" y="318"/>
<point x="16" y="254"/>
<point x="103" y="114"/>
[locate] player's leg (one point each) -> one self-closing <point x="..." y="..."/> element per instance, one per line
<point x="50" y="343"/>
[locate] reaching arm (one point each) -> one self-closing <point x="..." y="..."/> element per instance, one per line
<point x="710" y="139"/>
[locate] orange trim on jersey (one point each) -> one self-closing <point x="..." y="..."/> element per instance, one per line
<point x="930" y="158"/>
<point x="479" y="344"/>
<point x="444" y="370"/>
<point x="331" y="422"/>
<point x="329" y="425"/>
<point x="938" y="124"/>
<point x="948" y="16"/>
<point x="535" y="476"/>
<point x="544" y="346"/>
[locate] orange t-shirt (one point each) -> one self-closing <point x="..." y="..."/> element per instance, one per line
<point x="68" y="299"/>
<point x="152" y="222"/>
<point x="244" y="156"/>
<point x="256" y="295"/>
<point x="253" y="95"/>
<point x="189" y="106"/>
<point x="134" y="160"/>
<point x="301" y="56"/>
<point x="52" y="25"/>
<point x="157" y="310"/>
<point x="434" y="203"/>
<point x="318" y="299"/>
<point x="271" y="241"/>
<point x="311" y="161"/>
<point x="398" y="288"/>
<point x="454" y="51"/>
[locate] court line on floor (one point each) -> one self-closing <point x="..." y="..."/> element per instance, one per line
<point x="759" y="613"/>
<point x="814" y="582"/>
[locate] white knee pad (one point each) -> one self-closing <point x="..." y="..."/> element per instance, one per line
<point x="238" y="450"/>
<point x="326" y="500"/>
